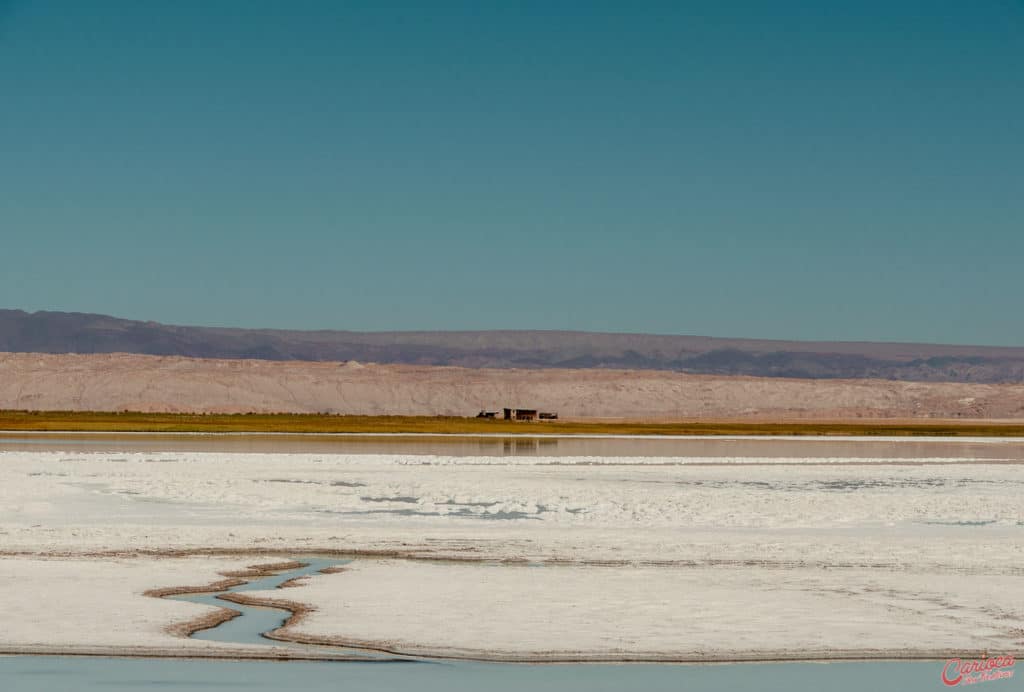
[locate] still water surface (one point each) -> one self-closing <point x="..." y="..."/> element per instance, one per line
<point x="882" y="448"/>
<point x="39" y="674"/>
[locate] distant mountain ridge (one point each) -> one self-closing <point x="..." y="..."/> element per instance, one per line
<point x="63" y="332"/>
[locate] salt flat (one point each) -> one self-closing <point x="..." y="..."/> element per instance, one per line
<point x="81" y="604"/>
<point x="660" y="556"/>
<point x="572" y="612"/>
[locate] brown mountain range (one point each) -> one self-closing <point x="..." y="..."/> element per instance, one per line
<point x="59" y="332"/>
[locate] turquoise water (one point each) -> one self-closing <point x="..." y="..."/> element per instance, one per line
<point x="38" y="674"/>
<point x="255" y="621"/>
<point x="249" y="628"/>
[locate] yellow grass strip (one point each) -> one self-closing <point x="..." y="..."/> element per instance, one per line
<point x="113" y="422"/>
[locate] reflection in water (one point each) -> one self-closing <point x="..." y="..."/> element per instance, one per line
<point x="531" y="446"/>
<point x="907" y="448"/>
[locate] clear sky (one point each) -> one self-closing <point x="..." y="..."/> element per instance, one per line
<point x="815" y="170"/>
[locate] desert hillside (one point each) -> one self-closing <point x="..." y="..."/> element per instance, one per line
<point x="113" y="382"/>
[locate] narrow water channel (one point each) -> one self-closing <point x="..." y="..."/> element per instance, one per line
<point x="255" y="622"/>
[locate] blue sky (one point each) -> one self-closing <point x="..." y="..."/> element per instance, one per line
<point x="811" y="170"/>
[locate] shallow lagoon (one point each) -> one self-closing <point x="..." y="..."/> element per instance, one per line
<point x="38" y="674"/>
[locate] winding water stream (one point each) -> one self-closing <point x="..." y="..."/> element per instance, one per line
<point x="255" y="622"/>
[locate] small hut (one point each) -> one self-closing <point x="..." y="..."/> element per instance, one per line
<point x="520" y="414"/>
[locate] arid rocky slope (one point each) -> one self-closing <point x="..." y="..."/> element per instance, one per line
<point x="62" y="332"/>
<point x="114" y="382"/>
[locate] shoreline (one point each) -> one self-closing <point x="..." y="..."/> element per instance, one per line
<point x="554" y="660"/>
<point x="169" y="653"/>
